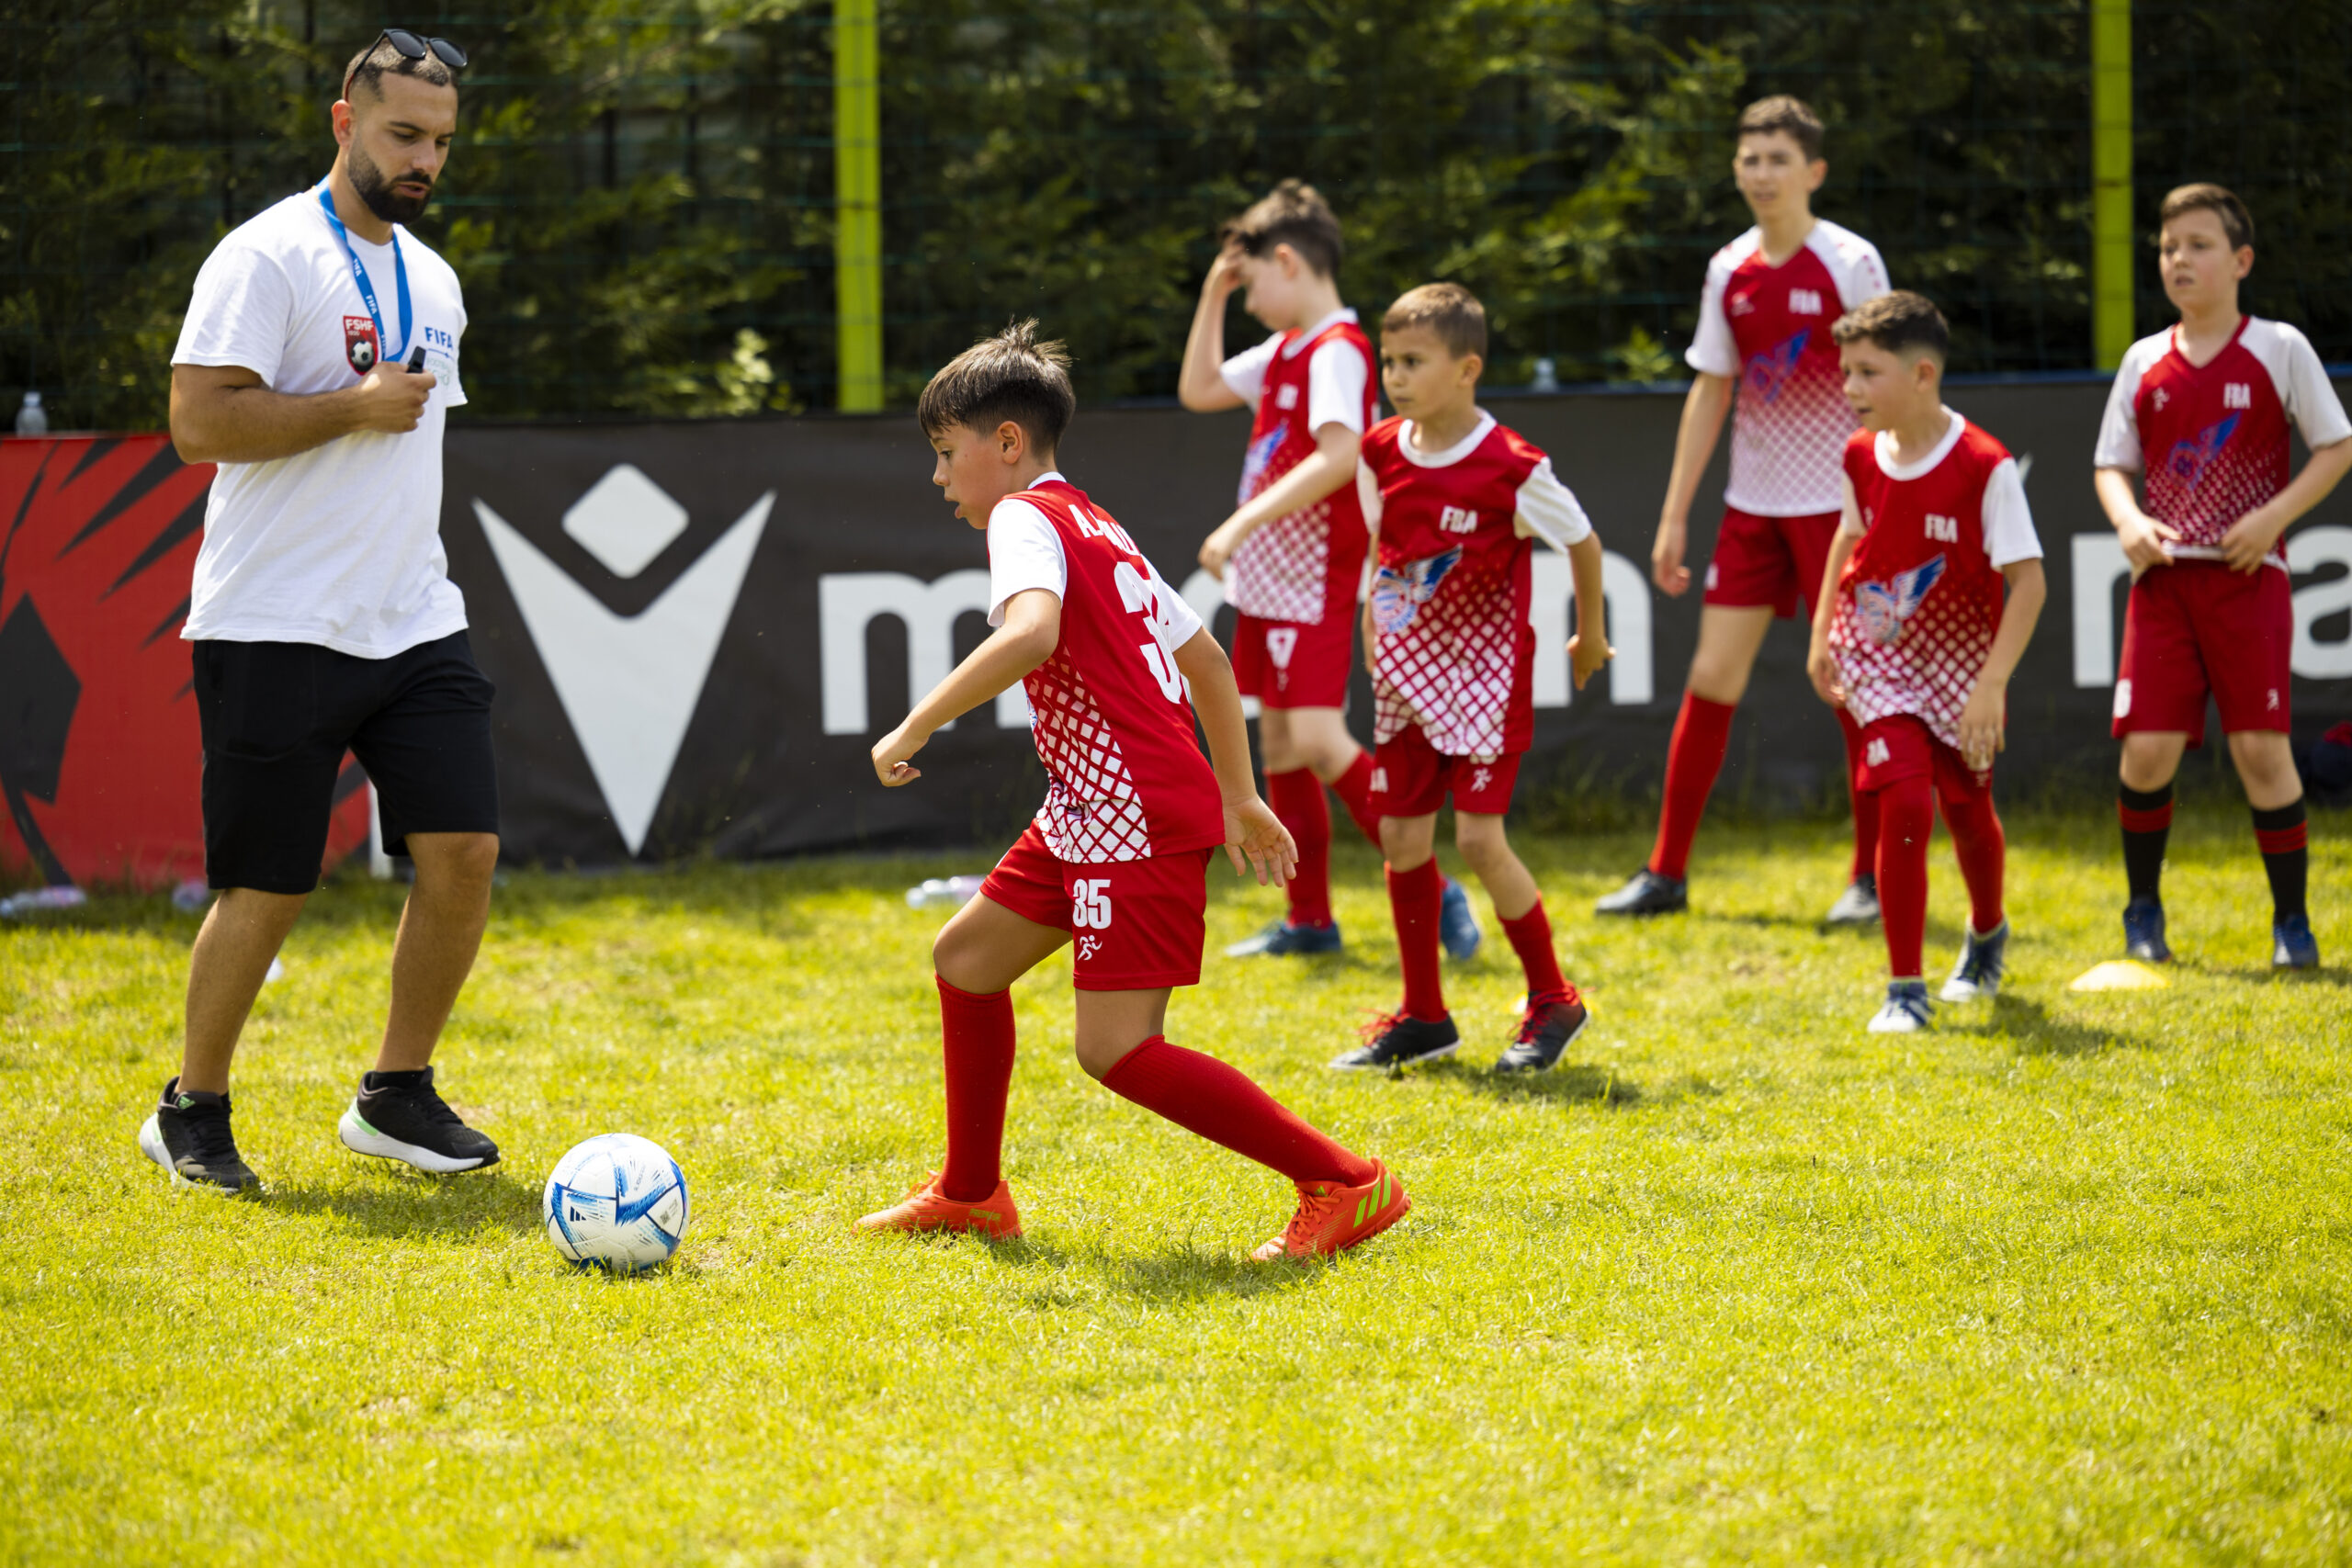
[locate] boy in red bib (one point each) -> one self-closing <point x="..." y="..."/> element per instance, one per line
<point x="1118" y="853"/>
<point x="1292" y="553"/>
<point x="1916" y="643"/>
<point x="1456" y="502"/>
<point x="2204" y="409"/>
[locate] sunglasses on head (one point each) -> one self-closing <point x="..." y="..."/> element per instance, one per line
<point x="412" y="47"/>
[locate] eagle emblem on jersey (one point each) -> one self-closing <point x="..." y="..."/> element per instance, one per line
<point x="2191" y="459"/>
<point x="1254" y="460"/>
<point x="1769" y="371"/>
<point x="359" y="346"/>
<point x="1885" y="608"/>
<point x="1398" y="592"/>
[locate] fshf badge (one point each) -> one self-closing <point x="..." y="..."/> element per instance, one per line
<point x="359" y="346"/>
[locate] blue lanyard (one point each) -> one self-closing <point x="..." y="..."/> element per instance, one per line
<point x="384" y="351"/>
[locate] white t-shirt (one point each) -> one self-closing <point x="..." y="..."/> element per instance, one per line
<point x="1334" y="376"/>
<point x="2008" y="521"/>
<point x="339" y="545"/>
<point x="1025" y="552"/>
<point x="1547" y="509"/>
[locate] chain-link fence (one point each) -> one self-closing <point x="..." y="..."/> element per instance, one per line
<point x="640" y="203"/>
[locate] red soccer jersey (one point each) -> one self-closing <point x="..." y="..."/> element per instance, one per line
<point x="2213" y="439"/>
<point x="1112" y="724"/>
<point x="1768" y="327"/>
<point x="1293" y="567"/>
<point x="1921" y="595"/>
<point x="1453" y="652"/>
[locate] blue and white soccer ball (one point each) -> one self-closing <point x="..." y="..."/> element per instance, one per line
<point x="618" y="1200"/>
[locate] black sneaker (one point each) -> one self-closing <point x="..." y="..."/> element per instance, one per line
<point x="1647" y="894"/>
<point x="399" y="1116"/>
<point x="1396" y="1040"/>
<point x="190" y="1137"/>
<point x="2143" y="931"/>
<point x="1543" y="1034"/>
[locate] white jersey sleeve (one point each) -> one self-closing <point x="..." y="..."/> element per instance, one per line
<point x="2304" y="390"/>
<point x="1368" y="497"/>
<point x="1335" y="385"/>
<point x="1851" y="522"/>
<point x="241" y="314"/>
<point x="1714" y="351"/>
<point x="1853" y="261"/>
<point x="2119" y="427"/>
<point x="1549" y="511"/>
<point x="1176" y="611"/>
<point x="1245" y="373"/>
<point x="2008" y="521"/>
<point x="1024" y="552"/>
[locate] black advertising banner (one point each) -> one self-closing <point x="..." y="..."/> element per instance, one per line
<point x="698" y="630"/>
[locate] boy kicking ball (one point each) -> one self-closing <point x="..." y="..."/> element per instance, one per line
<point x="1119" y="852"/>
<point x="1455" y="501"/>
<point x="1917" y="642"/>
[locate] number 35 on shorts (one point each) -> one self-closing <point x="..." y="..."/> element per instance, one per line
<point x="1091" y="903"/>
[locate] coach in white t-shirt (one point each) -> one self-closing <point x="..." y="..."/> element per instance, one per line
<point x="317" y="365"/>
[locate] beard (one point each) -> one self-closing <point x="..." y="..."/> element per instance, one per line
<point x="385" y="199"/>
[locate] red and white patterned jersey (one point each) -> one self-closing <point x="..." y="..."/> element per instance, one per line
<point x="2217" y="433"/>
<point x="1452" y="652"/>
<point x="1112" y="722"/>
<point x="1921" y="595"/>
<point x="1296" y="382"/>
<point x="1768" y="327"/>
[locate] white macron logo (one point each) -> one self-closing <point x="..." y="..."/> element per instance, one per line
<point x="1945" y="530"/>
<point x="629" y="683"/>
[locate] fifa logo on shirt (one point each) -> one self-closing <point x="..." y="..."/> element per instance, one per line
<point x="1805" y="301"/>
<point x="1943" y="530"/>
<point x="1458" y="519"/>
<point x="2237" y="394"/>
<point x="1090" y="907"/>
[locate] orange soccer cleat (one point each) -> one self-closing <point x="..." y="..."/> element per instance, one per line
<point x="1333" y="1218"/>
<point x="926" y="1208"/>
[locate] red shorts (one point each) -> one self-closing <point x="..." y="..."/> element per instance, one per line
<point x="2196" y="626"/>
<point x="1900" y="747"/>
<point x="1412" y="778"/>
<point x="1286" y="665"/>
<point x="1770" y="560"/>
<point x="1137" y="924"/>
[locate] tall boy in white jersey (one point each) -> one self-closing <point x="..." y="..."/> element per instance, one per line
<point x="316" y="366"/>
<point x="1764" y="326"/>
<point x="2203" y="410"/>
<point x="1292" y="553"/>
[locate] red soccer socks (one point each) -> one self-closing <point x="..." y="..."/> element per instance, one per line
<point x="1865" y="805"/>
<point x="1702" y="735"/>
<point x="1531" y="938"/>
<point x="1296" y="797"/>
<point x="1906" y="817"/>
<point x="1413" y="897"/>
<point x="976" y="1034"/>
<point x="1221" y="1103"/>
<point x="1983" y="850"/>
<point x="1355" y="790"/>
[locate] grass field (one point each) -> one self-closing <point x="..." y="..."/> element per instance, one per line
<point x="2065" y="1280"/>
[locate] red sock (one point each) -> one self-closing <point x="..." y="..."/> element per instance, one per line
<point x="1977" y="840"/>
<point x="1531" y="938"/>
<point x="1907" y="815"/>
<point x="1865" y="805"/>
<point x="1204" y="1095"/>
<point x="978" y="1035"/>
<point x="1297" y="799"/>
<point x="1355" y="790"/>
<point x="1413" y="902"/>
<point x="1702" y="736"/>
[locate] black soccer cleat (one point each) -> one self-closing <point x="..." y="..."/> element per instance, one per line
<point x="2143" y="931"/>
<point x="190" y="1137"/>
<point x="1647" y="894"/>
<point x="1543" y="1034"/>
<point x="2293" y="945"/>
<point x="1394" y="1040"/>
<point x="400" y="1116"/>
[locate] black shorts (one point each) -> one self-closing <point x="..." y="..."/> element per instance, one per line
<point x="276" y="719"/>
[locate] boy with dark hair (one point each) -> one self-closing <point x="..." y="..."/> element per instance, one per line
<point x="1915" y="641"/>
<point x="1119" y="851"/>
<point x="1292" y="553"/>
<point x="2211" y="609"/>
<point x="1455" y="501"/>
<point x="1763" y="319"/>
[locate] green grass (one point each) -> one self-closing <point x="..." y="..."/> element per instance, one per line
<point x="2064" y="1280"/>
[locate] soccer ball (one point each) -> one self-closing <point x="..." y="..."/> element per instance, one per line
<point x="618" y="1200"/>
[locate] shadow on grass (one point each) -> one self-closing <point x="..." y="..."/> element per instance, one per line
<point x="2264" y="974"/>
<point x="1178" y="1273"/>
<point x="2039" y="1035"/>
<point x="1570" y="1083"/>
<point x="394" y="1204"/>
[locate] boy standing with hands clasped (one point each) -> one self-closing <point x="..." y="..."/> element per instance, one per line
<point x="1119" y="852"/>
<point x="1916" y="643"/>
<point x="1292" y="553"/>
<point x="1454" y="501"/>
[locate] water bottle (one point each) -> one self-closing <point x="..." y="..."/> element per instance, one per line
<point x="949" y="890"/>
<point x="191" y="895"/>
<point x="1547" y="377"/>
<point x="19" y="905"/>
<point x="32" y="419"/>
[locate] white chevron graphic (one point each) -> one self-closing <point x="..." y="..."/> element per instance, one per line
<point x="629" y="684"/>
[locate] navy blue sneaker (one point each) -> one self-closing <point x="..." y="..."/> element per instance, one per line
<point x="1395" y="1041"/>
<point x="1457" y="926"/>
<point x="1982" y="963"/>
<point x="2292" y="946"/>
<point x="1907" y="1009"/>
<point x="1281" y="938"/>
<point x="2143" y="931"/>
